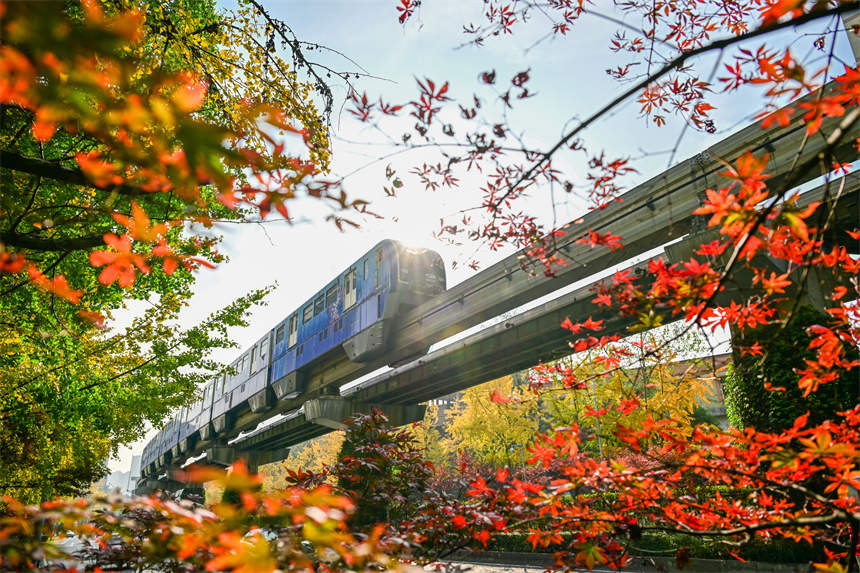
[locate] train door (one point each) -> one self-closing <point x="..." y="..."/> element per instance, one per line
<point x="264" y="351"/>
<point x="378" y="274"/>
<point x="349" y="289"/>
<point x="294" y="330"/>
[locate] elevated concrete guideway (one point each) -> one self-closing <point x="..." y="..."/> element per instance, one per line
<point x="652" y="214"/>
<point x="515" y="344"/>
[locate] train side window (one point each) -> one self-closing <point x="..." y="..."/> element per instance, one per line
<point x="308" y="313"/>
<point x="331" y="296"/>
<point x="294" y="330"/>
<point x="223" y="383"/>
<point x="379" y="306"/>
<point x="365" y="276"/>
<point x="319" y="305"/>
<point x="264" y="347"/>
<point x="378" y="267"/>
<point x="349" y="288"/>
<point x="253" y="360"/>
<point x="279" y="335"/>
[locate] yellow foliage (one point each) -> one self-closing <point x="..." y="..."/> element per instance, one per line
<point x="656" y="384"/>
<point x="492" y="431"/>
<point x="496" y="421"/>
<point x="234" y="59"/>
<point x="428" y="436"/>
<point x="310" y="456"/>
<point x="275" y="82"/>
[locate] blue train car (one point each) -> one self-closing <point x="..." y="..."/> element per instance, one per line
<point x="354" y="315"/>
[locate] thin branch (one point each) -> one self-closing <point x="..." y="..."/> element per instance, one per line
<point x="665" y="69"/>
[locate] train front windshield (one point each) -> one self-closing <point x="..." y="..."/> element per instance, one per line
<point x="410" y="266"/>
<point x="418" y="269"/>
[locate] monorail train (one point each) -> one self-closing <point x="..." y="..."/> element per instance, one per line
<point x="356" y="312"/>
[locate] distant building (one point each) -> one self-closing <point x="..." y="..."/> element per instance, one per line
<point x="133" y="476"/>
<point x="116" y="481"/>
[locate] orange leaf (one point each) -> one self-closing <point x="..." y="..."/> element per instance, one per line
<point x="496" y="397"/>
<point x="138" y="225"/>
<point x="102" y="173"/>
<point x="93" y="317"/>
<point x="12" y="262"/>
<point x="57" y="285"/>
<point x="189" y="96"/>
<point x="190" y="543"/>
<point x="43" y="130"/>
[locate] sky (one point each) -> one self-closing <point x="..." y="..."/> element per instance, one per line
<point x="365" y="37"/>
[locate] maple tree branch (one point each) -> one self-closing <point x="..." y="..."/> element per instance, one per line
<point x="822" y="158"/>
<point x="34" y="243"/>
<point x="835" y="517"/>
<point x="18" y="285"/>
<point x="51" y="170"/>
<point x="665" y="69"/>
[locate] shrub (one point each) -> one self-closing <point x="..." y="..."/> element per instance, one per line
<point x="750" y="404"/>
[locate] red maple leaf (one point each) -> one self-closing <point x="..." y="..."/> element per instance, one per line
<point x="628" y="406"/>
<point x="483" y="536"/>
<point x="603" y="299"/>
<point x="497" y="397"/>
<point x="120" y="264"/>
<point x="139" y="226"/>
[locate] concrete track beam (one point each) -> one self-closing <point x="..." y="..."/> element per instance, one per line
<point x="225" y="456"/>
<point x="165" y="484"/>
<point x="333" y="411"/>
